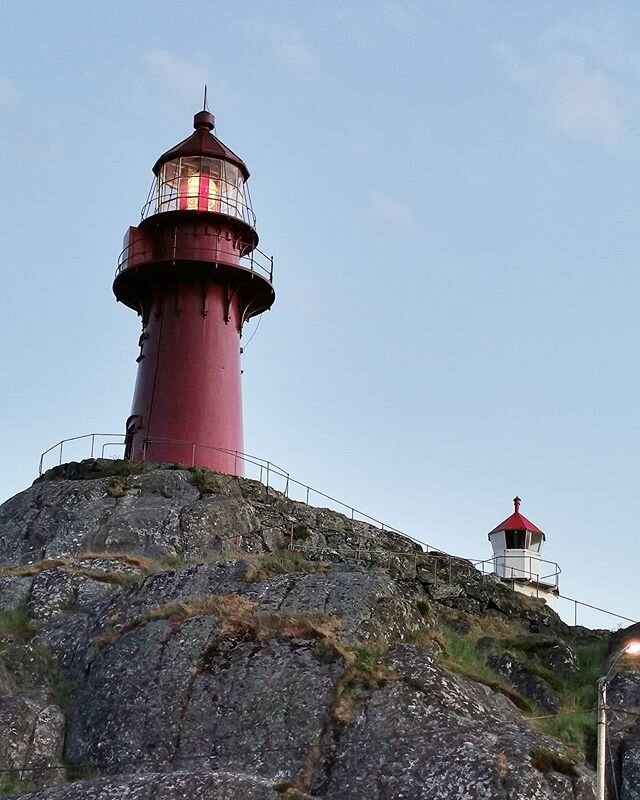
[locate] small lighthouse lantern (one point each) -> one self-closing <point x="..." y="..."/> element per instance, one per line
<point x="517" y="544"/>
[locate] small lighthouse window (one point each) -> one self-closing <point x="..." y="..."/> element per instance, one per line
<point x="536" y="542"/>
<point x="516" y="540"/>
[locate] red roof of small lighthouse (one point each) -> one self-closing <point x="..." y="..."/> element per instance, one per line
<point x="517" y="522"/>
<point x="202" y="143"/>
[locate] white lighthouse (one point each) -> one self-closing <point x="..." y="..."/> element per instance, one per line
<point x="516" y="544"/>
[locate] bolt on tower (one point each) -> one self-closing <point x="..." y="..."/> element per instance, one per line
<point x="192" y="271"/>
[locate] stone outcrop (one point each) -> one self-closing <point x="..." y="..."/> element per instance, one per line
<point x="526" y="682"/>
<point x="160" y="641"/>
<point x="623" y="699"/>
<point x="159" y="513"/>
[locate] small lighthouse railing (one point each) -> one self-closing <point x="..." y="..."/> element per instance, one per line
<point x="362" y="545"/>
<point x="498" y="566"/>
<point x="255" y="261"/>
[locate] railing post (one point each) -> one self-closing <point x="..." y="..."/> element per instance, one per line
<point x="575" y="612"/>
<point x="193" y="454"/>
<point x="307" y="495"/>
<point x="268" y="465"/>
<point x="60" y="460"/>
<point x="235" y="462"/>
<point x="93" y="438"/>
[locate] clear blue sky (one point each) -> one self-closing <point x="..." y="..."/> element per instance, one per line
<point x="451" y="191"/>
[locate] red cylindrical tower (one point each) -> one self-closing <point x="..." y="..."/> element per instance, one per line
<point x="192" y="271"/>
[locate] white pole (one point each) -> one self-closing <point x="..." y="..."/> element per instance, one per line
<point x="602" y="739"/>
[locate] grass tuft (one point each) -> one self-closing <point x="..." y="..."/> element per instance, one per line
<point x="118" y="468"/>
<point x="117" y="488"/>
<point x="208" y="482"/>
<point x="11" y="786"/>
<point x="424" y="607"/>
<point x="363" y="673"/>
<point x="575" y="724"/>
<point x="574" y="729"/>
<point x="461" y="656"/>
<point x="301" y="533"/>
<point x="283" y="562"/>
<point x="17" y="624"/>
<point x="547" y="761"/>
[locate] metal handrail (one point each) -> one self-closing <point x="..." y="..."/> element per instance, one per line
<point x="163" y="206"/>
<point x="269" y="466"/>
<point x="253" y="261"/>
<point x="62" y="442"/>
<point x="268" y="469"/>
<point x="524" y="574"/>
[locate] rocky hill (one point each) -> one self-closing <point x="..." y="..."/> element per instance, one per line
<point x="160" y="639"/>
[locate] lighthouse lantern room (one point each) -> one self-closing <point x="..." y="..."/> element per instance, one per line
<point x="517" y="544"/>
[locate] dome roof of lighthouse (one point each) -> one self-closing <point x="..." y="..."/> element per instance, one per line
<point x="517" y="522"/>
<point x="202" y="143"/>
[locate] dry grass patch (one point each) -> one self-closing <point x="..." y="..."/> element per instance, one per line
<point x="502" y="766"/>
<point x="353" y="684"/>
<point x="117" y="488"/>
<point x="238" y="618"/>
<point x="235" y="612"/>
<point x="283" y="562"/>
<point x="363" y="674"/>
<point x="547" y="761"/>
<point x="287" y="789"/>
<point x="146" y="565"/>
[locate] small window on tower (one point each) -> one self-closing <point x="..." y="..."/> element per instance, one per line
<point x="516" y="540"/>
<point x="536" y="541"/>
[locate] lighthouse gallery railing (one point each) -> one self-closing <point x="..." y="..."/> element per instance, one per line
<point x="255" y="261"/>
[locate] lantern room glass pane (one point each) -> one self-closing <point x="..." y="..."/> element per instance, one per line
<point x="516" y="540"/>
<point x="201" y="184"/>
<point x="536" y="542"/>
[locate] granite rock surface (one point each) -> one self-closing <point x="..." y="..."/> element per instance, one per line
<point x="174" y="648"/>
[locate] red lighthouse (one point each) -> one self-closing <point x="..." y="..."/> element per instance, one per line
<point x="192" y="271"/>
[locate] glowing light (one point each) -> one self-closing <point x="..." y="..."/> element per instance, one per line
<point x="199" y="193"/>
<point x="632" y="649"/>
